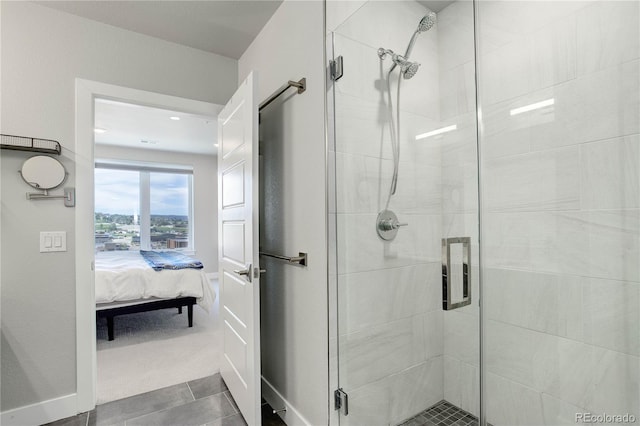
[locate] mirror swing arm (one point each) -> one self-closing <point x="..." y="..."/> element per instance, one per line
<point x="69" y="196"/>
<point x="41" y="172"/>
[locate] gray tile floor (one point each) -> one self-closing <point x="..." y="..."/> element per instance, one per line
<point x="205" y="401"/>
<point x="442" y="414"/>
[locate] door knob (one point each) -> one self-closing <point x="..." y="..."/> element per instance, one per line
<point x="245" y="272"/>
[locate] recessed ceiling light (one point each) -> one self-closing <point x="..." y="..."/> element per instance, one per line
<point x="174" y="118"/>
<point x="99" y="130"/>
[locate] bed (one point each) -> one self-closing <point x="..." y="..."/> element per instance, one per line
<point x="126" y="283"/>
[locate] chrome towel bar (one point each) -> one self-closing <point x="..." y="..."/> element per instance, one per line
<point x="300" y="259"/>
<point x="300" y="85"/>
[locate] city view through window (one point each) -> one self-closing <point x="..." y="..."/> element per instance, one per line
<point x="121" y="210"/>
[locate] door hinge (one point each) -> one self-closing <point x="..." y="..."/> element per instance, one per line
<point x="341" y="401"/>
<point x="336" y="68"/>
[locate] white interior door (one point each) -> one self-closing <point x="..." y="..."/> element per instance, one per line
<point x="238" y="234"/>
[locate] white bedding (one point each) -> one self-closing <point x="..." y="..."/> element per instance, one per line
<point x="125" y="275"/>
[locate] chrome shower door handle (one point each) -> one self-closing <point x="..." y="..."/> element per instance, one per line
<point x="447" y="282"/>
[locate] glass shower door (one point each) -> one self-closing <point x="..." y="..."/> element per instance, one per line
<point x="560" y="172"/>
<point x="406" y="186"/>
<point x="556" y="171"/>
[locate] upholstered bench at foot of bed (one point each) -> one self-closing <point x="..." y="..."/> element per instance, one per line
<point x="110" y="313"/>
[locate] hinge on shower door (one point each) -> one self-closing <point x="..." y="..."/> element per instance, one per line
<point x="341" y="401"/>
<point x="335" y="68"/>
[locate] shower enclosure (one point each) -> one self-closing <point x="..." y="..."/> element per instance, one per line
<point x="484" y="211"/>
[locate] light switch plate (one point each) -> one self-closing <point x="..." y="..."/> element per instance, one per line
<point x="53" y="241"/>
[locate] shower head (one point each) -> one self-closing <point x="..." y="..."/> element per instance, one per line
<point x="410" y="69"/>
<point x="407" y="68"/>
<point x="426" y="22"/>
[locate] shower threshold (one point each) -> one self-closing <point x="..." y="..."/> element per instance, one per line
<point x="442" y="414"/>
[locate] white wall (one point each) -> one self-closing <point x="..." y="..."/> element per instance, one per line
<point x="294" y="300"/>
<point x="43" y="51"/>
<point x="205" y="189"/>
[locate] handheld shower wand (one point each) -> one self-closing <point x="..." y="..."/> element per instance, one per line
<point x="425" y="24"/>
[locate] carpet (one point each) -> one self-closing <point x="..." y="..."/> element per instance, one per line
<point x="156" y="349"/>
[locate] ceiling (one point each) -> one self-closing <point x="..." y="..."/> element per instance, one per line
<point x="217" y="26"/>
<point x="222" y="27"/>
<point x="435" y="5"/>
<point x="143" y="127"/>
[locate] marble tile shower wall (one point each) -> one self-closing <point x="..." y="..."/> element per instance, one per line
<point x="561" y="222"/>
<point x="390" y="322"/>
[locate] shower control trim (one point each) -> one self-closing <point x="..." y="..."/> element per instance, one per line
<point x="387" y="225"/>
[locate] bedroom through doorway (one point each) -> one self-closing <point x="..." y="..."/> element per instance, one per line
<point x="155" y="246"/>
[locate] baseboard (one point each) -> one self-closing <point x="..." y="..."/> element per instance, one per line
<point x="41" y="413"/>
<point x="212" y="275"/>
<point x="291" y="417"/>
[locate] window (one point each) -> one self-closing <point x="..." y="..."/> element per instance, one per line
<point x="141" y="207"/>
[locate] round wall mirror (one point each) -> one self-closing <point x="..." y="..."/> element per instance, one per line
<point x="43" y="172"/>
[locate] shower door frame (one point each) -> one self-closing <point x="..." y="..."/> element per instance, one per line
<point x="337" y="398"/>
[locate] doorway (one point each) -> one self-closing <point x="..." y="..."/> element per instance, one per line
<point x="86" y="95"/>
<point x="153" y="171"/>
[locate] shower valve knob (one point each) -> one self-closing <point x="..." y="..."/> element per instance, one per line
<point x="387" y="225"/>
<point x="390" y="224"/>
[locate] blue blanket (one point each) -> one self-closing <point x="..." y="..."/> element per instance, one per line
<point x="160" y="260"/>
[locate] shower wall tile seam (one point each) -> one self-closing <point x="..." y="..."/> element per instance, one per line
<point x="620" y="136"/>
<point x="360" y="42"/>
<point x="394" y="320"/>
<point x="406" y="111"/>
<point x="430" y="261"/>
<point x="386" y="269"/>
<point x="561" y="274"/>
<point x="538" y="391"/>
<point x="584" y="342"/>
<point x="531" y="92"/>
<point x="368" y="326"/>
<point x="385" y="378"/>
<point x="361" y="271"/>
<point x="607" y="68"/>
<point x="541" y="392"/>
<point x="358" y="155"/>
<point x="546" y="272"/>
<point x="581" y="209"/>
<point x="551" y="149"/>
